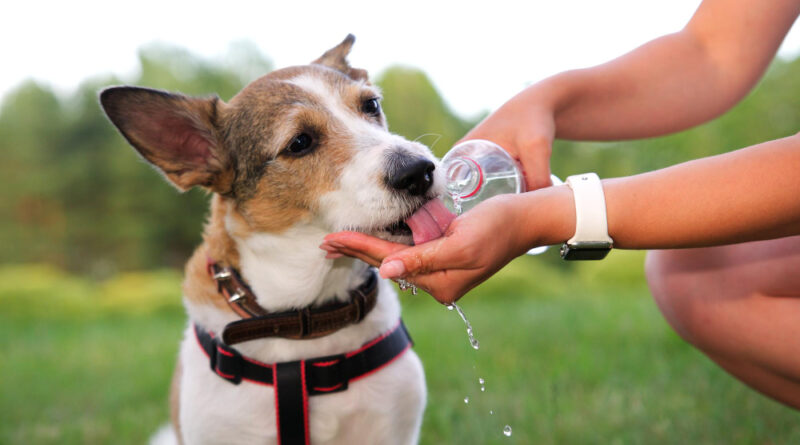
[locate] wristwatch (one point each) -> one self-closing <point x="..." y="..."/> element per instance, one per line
<point x="591" y="240"/>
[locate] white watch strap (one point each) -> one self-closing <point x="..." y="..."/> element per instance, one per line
<point x="591" y="222"/>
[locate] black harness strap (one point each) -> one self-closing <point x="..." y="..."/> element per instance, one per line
<point x="291" y="403"/>
<point x="299" y="379"/>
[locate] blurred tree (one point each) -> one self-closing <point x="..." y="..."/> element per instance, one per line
<point x="31" y="123"/>
<point x="415" y="110"/>
<point x="76" y="195"/>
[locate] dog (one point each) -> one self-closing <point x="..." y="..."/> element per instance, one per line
<point x="298" y="153"/>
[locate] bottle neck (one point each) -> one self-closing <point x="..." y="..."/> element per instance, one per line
<point x="464" y="177"/>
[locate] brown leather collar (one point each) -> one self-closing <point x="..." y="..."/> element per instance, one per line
<point x="297" y="324"/>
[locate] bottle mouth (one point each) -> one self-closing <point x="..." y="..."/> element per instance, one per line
<point x="464" y="177"/>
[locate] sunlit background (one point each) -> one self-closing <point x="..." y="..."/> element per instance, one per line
<point x="477" y="53"/>
<point x="92" y="241"/>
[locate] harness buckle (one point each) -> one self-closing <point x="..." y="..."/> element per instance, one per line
<point x="226" y="362"/>
<point x="326" y="375"/>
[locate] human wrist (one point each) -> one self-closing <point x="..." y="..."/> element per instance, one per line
<point x="529" y="105"/>
<point x="548" y="216"/>
<point x="555" y="93"/>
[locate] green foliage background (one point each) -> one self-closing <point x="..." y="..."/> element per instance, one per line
<point x="92" y="239"/>
<point x="75" y="195"/>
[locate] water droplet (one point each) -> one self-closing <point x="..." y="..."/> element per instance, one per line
<point x="450" y="307"/>
<point x="483" y="389"/>
<point x="481" y="380"/>
<point x="491" y="411"/>
<point x="507" y="431"/>
<point x="454" y="195"/>
<point x="457" y="205"/>
<point x="466" y="399"/>
<point x="474" y="343"/>
<point x="405" y="285"/>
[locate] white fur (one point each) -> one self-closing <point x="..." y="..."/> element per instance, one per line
<point x="164" y="436"/>
<point x="328" y="97"/>
<point x="288" y="270"/>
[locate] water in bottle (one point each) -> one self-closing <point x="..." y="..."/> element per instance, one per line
<point x="477" y="170"/>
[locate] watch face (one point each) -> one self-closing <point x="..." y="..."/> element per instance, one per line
<point x="583" y="253"/>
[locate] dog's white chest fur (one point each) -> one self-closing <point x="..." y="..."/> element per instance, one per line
<point x="384" y="408"/>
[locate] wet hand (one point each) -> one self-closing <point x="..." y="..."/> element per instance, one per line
<point x="474" y="247"/>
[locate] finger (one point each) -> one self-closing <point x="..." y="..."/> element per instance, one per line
<point x="331" y="253"/>
<point x="535" y="160"/>
<point x="328" y="247"/>
<point x="374" y="262"/>
<point x="340" y="251"/>
<point x="358" y="242"/>
<point x="534" y="156"/>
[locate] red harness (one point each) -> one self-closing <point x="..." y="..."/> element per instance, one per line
<point x="295" y="381"/>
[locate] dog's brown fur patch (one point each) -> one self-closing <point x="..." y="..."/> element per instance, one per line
<point x="218" y="246"/>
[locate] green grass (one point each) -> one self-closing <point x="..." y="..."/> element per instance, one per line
<point x="575" y="356"/>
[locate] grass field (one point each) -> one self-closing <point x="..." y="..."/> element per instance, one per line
<point x="567" y="358"/>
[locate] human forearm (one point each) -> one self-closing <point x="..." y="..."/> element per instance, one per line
<point x="746" y="195"/>
<point x="644" y="93"/>
<point x="674" y="82"/>
<point x="669" y="84"/>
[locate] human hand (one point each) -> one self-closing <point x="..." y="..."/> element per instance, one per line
<point x="525" y="127"/>
<point x="474" y="247"/>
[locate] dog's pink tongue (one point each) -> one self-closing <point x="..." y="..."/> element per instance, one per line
<point x="430" y="221"/>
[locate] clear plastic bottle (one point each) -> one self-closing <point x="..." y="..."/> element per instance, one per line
<point x="477" y="170"/>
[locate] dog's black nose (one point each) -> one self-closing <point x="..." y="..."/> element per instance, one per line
<point x="412" y="175"/>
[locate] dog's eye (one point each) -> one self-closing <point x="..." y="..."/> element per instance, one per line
<point x="371" y="107"/>
<point x="300" y="145"/>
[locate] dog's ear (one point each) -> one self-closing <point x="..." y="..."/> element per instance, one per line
<point x="336" y="58"/>
<point x="177" y="134"/>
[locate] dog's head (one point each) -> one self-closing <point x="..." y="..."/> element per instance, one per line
<point x="301" y="144"/>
